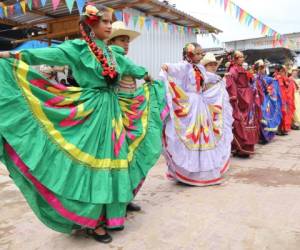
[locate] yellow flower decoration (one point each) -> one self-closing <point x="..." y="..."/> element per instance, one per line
<point x="91" y="10"/>
<point x="190" y="48"/>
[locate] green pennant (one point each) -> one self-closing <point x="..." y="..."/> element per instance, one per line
<point x="70" y="4"/>
<point x="29" y="3"/>
<point x="135" y="20"/>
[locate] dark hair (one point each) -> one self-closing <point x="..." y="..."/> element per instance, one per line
<point x="185" y="52"/>
<point x="279" y="67"/>
<point x="83" y="18"/>
<point x="198" y="74"/>
<point x="109" y="72"/>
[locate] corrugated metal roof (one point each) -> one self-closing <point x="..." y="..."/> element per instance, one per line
<point x="170" y="13"/>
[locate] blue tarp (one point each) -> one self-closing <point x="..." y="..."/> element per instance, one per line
<point x="34" y="44"/>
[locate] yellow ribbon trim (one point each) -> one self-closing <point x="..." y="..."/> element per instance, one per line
<point x="144" y="119"/>
<point x="76" y="153"/>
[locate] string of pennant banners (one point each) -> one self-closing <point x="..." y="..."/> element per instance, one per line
<point x="246" y="18"/>
<point x="138" y="21"/>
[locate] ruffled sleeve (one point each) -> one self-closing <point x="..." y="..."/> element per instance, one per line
<point x="178" y="70"/>
<point x="64" y="54"/>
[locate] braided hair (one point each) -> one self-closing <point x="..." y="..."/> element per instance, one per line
<point x="85" y="24"/>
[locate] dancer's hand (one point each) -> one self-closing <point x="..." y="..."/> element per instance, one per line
<point x="4" y="54"/>
<point x="164" y="67"/>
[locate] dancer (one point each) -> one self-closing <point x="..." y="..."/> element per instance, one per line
<point x="198" y="133"/>
<point x="130" y="97"/>
<point x="295" y="78"/>
<point x="287" y="92"/>
<point x="65" y="147"/>
<point x="271" y="106"/>
<point x="246" y="99"/>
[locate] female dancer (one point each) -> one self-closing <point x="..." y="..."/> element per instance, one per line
<point x="246" y="98"/>
<point x="271" y="106"/>
<point x="287" y="91"/>
<point x="198" y="133"/>
<point x="65" y="147"/>
<point x="295" y="78"/>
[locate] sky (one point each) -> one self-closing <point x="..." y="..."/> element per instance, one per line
<point x="281" y="15"/>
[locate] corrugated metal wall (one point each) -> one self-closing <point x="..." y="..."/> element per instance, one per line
<point x="155" y="46"/>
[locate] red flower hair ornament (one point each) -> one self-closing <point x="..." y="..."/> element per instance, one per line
<point x="92" y="15"/>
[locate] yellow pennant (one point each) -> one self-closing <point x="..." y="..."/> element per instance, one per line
<point x="142" y="22"/>
<point x="5" y="10"/>
<point x="165" y="27"/>
<point x="23" y="6"/>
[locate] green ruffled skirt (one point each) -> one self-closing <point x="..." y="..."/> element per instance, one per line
<point x="77" y="155"/>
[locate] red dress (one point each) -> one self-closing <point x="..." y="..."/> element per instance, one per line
<point x="246" y="99"/>
<point x="287" y="90"/>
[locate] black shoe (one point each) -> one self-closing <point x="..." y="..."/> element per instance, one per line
<point x="105" y="238"/>
<point x="243" y="155"/>
<point x="133" y="207"/>
<point x="295" y="127"/>
<point x="121" y="228"/>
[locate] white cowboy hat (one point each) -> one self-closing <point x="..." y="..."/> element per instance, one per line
<point x="119" y="29"/>
<point x="208" y="58"/>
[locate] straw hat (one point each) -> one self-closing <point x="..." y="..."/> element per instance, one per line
<point x="260" y="63"/>
<point x="208" y="58"/>
<point x="119" y="29"/>
<point x="294" y="68"/>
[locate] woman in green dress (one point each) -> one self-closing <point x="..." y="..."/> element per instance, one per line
<point x="66" y="148"/>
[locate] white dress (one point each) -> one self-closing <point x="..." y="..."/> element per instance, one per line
<point x="198" y="132"/>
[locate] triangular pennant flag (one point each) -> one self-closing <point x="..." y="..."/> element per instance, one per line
<point x="70" y="4"/>
<point x="229" y="8"/>
<point x="142" y="22"/>
<point x="175" y="28"/>
<point x="5" y="10"/>
<point x="264" y="29"/>
<point x="80" y="5"/>
<point x="255" y="23"/>
<point x="43" y="2"/>
<point x="181" y="30"/>
<point x="126" y="17"/>
<point x="11" y="10"/>
<point x="171" y="27"/>
<point x="165" y="27"/>
<point x="18" y="9"/>
<point x="119" y="15"/>
<point x="29" y="3"/>
<point x="250" y="19"/>
<point x="36" y="3"/>
<point x="148" y="23"/>
<point x="225" y="4"/>
<point x="190" y="30"/>
<point x="243" y="15"/>
<point x="161" y="25"/>
<point x="23" y="6"/>
<point x="55" y="4"/>
<point x="154" y="23"/>
<point x="1" y="12"/>
<point x="185" y="30"/>
<point x="237" y="11"/>
<point x="221" y="2"/>
<point x="135" y="20"/>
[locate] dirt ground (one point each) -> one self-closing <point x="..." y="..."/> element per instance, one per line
<point x="257" y="207"/>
